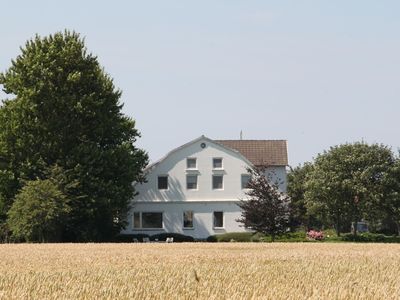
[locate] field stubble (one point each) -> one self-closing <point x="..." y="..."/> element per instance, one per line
<point x="200" y="270"/>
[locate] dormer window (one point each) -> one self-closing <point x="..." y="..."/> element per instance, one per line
<point x="217" y="163"/>
<point x="191" y="163"/>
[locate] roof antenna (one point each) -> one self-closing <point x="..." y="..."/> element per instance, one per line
<point x="241" y="135"/>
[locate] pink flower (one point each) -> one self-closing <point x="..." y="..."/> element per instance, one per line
<point x="315" y="235"/>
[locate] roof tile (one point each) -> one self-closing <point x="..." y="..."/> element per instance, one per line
<point x="260" y="152"/>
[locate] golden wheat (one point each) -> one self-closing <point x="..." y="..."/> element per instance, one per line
<point x="200" y="271"/>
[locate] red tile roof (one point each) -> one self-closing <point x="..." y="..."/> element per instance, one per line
<point x="260" y="152"/>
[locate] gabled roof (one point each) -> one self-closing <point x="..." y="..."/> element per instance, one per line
<point x="260" y="152"/>
<point x="229" y="149"/>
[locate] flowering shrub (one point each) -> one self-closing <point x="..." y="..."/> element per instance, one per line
<point x="315" y="235"/>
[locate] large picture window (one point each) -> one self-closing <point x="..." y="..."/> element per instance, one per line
<point x="188" y="219"/>
<point x="218" y="219"/>
<point x="147" y="220"/>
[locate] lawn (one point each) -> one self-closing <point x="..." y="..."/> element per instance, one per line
<point x="200" y="270"/>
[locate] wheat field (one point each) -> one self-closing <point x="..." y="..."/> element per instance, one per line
<point x="200" y="271"/>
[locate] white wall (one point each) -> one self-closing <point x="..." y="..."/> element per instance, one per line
<point x="203" y="218"/>
<point x="203" y="201"/>
<point x="277" y="176"/>
<point x="175" y="166"/>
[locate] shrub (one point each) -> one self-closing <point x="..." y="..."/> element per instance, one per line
<point x="236" y="237"/>
<point x="364" y="237"/>
<point x="330" y="233"/>
<point x="212" y="239"/>
<point x="178" y="238"/>
<point x="39" y="212"/>
<point x="315" y="235"/>
<point x="295" y="235"/>
<point x="289" y="237"/>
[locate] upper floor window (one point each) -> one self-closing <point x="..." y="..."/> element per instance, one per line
<point x="217" y="163"/>
<point x="218" y="182"/>
<point x="245" y="181"/>
<point x="163" y="182"/>
<point x="191" y="163"/>
<point x="191" y="182"/>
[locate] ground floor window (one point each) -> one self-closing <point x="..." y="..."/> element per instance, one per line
<point x="137" y="223"/>
<point x="188" y="219"/>
<point x="148" y="220"/>
<point x="218" y="219"/>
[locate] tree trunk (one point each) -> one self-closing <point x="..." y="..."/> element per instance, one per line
<point x="355" y="228"/>
<point x="398" y="227"/>
<point x="337" y="228"/>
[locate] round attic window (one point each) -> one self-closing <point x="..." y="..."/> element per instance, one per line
<point x="203" y="145"/>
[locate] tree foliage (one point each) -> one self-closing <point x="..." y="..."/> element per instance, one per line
<point x="65" y="111"/>
<point x="391" y="201"/>
<point x="297" y="178"/>
<point x="347" y="183"/>
<point x="38" y="212"/>
<point x="267" y="209"/>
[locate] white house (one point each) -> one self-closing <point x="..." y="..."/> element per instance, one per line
<point x="194" y="189"/>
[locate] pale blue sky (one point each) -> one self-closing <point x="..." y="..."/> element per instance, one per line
<point x="317" y="73"/>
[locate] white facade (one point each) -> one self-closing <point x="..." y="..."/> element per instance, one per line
<point x="208" y="210"/>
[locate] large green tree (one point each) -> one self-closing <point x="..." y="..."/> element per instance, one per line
<point x="65" y="112"/>
<point x="348" y="183"/>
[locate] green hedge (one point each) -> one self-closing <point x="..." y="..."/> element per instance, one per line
<point x="290" y="237"/>
<point x="369" y="238"/>
<point x="236" y="237"/>
<point x="257" y="237"/>
<point x="300" y="236"/>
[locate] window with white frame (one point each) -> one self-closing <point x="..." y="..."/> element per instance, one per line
<point x="217" y="182"/>
<point x="147" y="220"/>
<point x="245" y="181"/>
<point x="217" y="163"/>
<point x="188" y="219"/>
<point x="218" y="219"/>
<point x="191" y="182"/>
<point x="191" y="163"/>
<point x="162" y="182"/>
